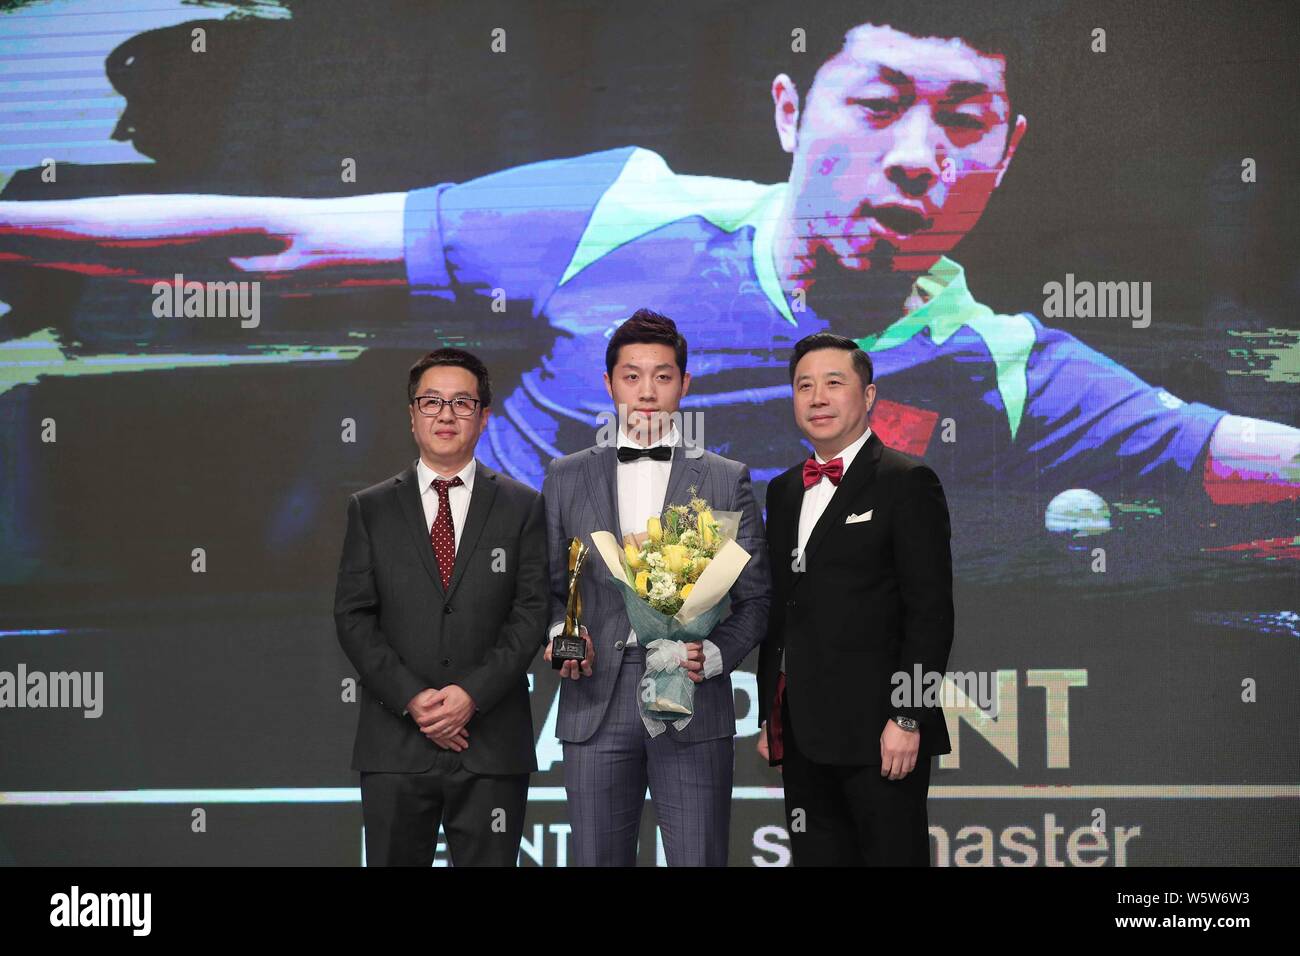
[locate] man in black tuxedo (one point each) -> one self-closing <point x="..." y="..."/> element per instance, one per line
<point x="441" y="604"/>
<point x="862" y="597"/>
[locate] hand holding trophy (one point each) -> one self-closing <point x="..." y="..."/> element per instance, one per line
<point x="571" y="643"/>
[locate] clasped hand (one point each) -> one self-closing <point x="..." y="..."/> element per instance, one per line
<point x="442" y="715"/>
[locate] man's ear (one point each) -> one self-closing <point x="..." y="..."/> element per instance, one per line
<point x="686" y="383"/>
<point x="785" y="102"/>
<point x="609" y="386"/>
<point x="871" y="396"/>
<point x="1017" y="133"/>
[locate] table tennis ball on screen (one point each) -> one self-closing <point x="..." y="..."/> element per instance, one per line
<point x="1078" y="512"/>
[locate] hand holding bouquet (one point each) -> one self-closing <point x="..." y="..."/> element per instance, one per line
<point x="674" y="578"/>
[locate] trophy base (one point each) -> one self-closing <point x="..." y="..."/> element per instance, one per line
<point x="567" y="649"/>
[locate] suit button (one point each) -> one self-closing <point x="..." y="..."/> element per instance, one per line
<point x="447" y="609"/>
<point x="446" y="662"/>
<point x="791" y="603"/>
<point x="618" y="645"/>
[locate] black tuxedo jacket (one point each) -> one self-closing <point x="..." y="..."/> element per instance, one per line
<point x="404" y="633"/>
<point x="874" y="598"/>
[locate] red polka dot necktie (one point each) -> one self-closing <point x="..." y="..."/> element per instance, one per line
<point x="443" y="533"/>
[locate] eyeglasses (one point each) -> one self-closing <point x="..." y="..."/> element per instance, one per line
<point x="460" y="407"/>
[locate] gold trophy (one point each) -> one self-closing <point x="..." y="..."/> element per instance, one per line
<point x="568" y="645"/>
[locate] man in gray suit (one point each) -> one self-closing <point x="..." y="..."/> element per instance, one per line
<point x="441" y="606"/>
<point x="610" y="753"/>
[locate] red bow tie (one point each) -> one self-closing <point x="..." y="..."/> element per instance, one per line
<point x="813" y="472"/>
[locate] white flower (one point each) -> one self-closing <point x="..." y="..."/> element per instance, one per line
<point x="662" y="586"/>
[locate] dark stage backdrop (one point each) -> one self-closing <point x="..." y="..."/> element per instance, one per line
<point x="173" y="487"/>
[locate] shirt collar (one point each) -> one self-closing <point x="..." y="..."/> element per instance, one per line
<point x="848" y="454"/>
<point x="943" y="303"/>
<point x="672" y="439"/>
<point x="425" y="475"/>
<point x="944" y="306"/>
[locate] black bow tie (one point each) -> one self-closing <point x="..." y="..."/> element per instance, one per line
<point x="627" y="453"/>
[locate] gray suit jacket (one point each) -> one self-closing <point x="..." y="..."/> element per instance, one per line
<point x="404" y="632"/>
<point x="581" y="497"/>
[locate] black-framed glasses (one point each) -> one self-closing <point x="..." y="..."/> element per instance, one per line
<point x="461" y="407"/>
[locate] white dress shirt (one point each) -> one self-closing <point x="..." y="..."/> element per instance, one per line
<point x="816" y="499"/>
<point x="459" y="496"/>
<point x="642" y="485"/>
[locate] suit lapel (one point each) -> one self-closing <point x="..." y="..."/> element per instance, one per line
<point x="408" y="496"/>
<point x="859" y="476"/>
<point x="684" y="473"/>
<point x="480" y="505"/>
<point x="602" y="481"/>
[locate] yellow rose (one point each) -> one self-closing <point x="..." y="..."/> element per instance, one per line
<point x="643" y="583"/>
<point x="700" y="565"/>
<point x="653" y="529"/>
<point x="686" y="590"/>
<point x="633" y="556"/>
<point x="675" y="557"/>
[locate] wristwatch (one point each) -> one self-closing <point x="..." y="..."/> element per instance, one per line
<point x="907" y="723"/>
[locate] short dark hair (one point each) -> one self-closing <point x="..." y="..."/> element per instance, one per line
<point x="988" y="27"/>
<point x="459" y="358"/>
<point x="649" y="327"/>
<point x="829" y="340"/>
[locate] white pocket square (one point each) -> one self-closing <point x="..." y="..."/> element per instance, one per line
<point x="854" y="519"/>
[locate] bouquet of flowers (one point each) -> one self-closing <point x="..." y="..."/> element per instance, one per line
<point x="674" y="577"/>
